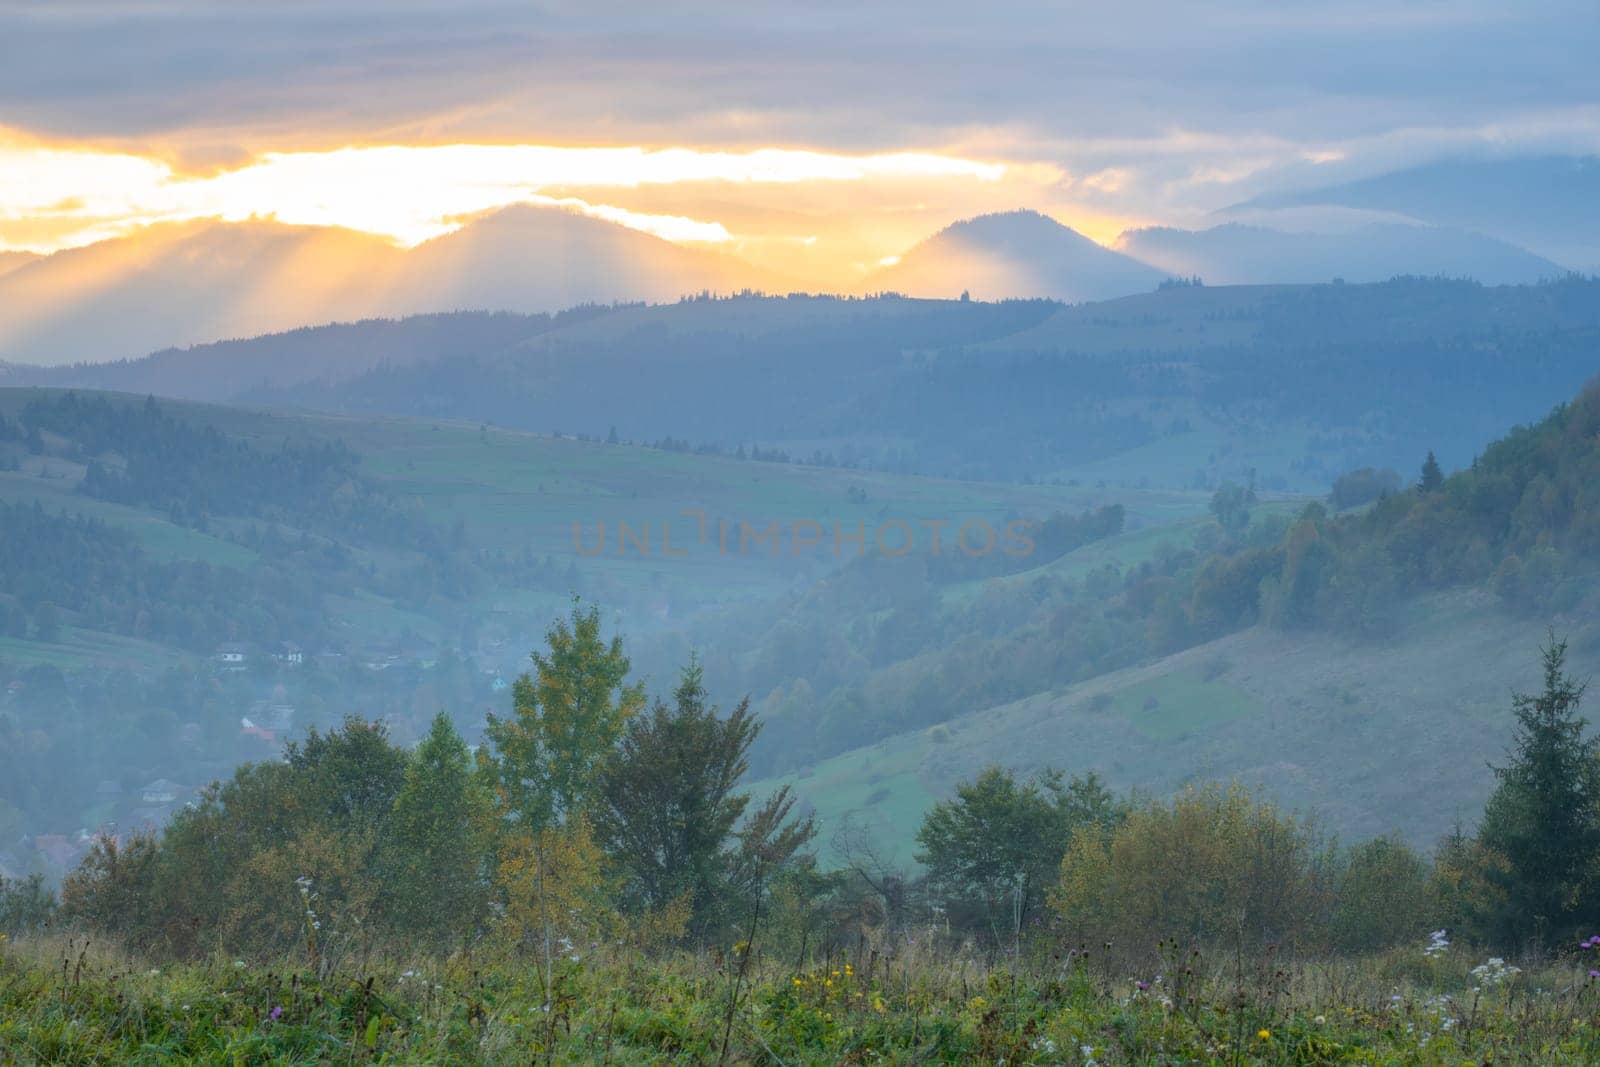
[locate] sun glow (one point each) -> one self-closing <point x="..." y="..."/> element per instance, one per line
<point x="57" y="197"/>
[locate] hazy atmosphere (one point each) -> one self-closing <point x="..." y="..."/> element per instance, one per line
<point x="821" y="533"/>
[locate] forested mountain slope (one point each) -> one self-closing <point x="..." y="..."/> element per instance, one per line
<point x="1352" y="662"/>
<point x="1186" y="387"/>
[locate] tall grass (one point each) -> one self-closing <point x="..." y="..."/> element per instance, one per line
<point x="64" y="1000"/>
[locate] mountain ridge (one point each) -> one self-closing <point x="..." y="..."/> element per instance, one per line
<point x="1018" y="254"/>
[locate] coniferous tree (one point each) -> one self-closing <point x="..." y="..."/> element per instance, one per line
<point x="1543" y="820"/>
<point x="1432" y="476"/>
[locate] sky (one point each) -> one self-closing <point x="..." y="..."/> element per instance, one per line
<point x="820" y="136"/>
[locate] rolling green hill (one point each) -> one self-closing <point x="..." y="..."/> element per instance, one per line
<point x="1350" y="664"/>
<point x="1375" y="737"/>
<point x="1183" y="387"/>
<point x="505" y="493"/>
<point x="409" y="564"/>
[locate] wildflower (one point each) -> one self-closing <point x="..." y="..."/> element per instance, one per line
<point x="1494" y="970"/>
<point x="1321" y="1020"/>
<point x="1594" y="974"/>
<point x="1264" y="1034"/>
<point x="277" y="1012"/>
<point x="1438" y="942"/>
<point x="1142" y="987"/>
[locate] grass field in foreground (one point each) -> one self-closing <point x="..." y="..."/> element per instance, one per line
<point x="61" y="1003"/>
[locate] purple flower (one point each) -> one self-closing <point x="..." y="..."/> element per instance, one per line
<point x="1141" y="986"/>
<point x="277" y="1012"/>
<point x="1594" y="974"/>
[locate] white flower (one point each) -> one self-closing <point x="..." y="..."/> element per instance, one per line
<point x="1494" y="970"/>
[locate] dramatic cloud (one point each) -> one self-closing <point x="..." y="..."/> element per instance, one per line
<point x="1104" y="114"/>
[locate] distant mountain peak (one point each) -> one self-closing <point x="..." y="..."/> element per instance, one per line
<point x="207" y="280"/>
<point x="1021" y="253"/>
<point x="1541" y="202"/>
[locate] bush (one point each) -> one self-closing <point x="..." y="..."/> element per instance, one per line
<point x="1213" y="866"/>
<point x="1383" y="897"/>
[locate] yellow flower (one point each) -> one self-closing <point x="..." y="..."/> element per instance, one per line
<point x="1265" y="1035"/>
<point x="877" y="1004"/>
<point x="797" y="981"/>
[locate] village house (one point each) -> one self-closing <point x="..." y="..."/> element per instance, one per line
<point x="233" y="655"/>
<point x="248" y="728"/>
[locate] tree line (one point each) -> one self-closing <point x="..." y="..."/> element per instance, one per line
<point x="590" y="815"/>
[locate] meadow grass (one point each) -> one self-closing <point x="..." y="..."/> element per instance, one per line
<point x="63" y="1001"/>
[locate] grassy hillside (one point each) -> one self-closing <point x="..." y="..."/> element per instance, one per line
<point x="548" y="497"/>
<point x="419" y="577"/>
<point x="1348" y="664"/>
<point x="1375" y="737"/>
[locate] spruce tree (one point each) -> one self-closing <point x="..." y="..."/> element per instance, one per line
<point x="1541" y="825"/>
<point x="1432" y="476"/>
